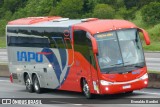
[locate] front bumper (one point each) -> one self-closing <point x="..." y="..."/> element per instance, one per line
<point x="120" y="87"/>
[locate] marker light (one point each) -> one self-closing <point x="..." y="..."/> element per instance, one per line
<point x="145" y="82"/>
<point x="49" y="65"/>
<point x="145" y="76"/>
<point x="103" y="82"/>
<point x="19" y="69"/>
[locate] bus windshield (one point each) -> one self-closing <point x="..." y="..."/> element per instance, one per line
<point x="119" y="51"/>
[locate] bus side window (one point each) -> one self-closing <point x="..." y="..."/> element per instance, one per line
<point x="53" y="43"/>
<point x="59" y="42"/>
<point x="27" y="41"/>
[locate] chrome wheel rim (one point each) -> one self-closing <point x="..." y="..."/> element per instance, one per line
<point x="28" y="83"/>
<point x="36" y="85"/>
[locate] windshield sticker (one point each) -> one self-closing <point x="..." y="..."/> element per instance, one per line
<point x="104" y="35"/>
<point x="109" y="34"/>
<point x="119" y="61"/>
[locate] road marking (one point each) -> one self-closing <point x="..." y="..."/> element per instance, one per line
<point x="4" y="81"/>
<point x="149" y="59"/>
<point x="153" y="64"/>
<point x="147" y="92"/>
<point x="61" y="102"/>
<point x="3" y="53"/>
<point x="77" y="104"/>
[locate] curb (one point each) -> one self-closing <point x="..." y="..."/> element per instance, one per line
<point x="4" y="71"/>
<point x="154" y="80"/>
<point x="151" y="51"/>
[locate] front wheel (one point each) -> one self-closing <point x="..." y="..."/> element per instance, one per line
<point x="86" y="90"/>
<point x="36" y="84"/>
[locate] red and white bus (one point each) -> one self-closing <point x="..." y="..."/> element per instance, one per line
<point x="93" y="56"/>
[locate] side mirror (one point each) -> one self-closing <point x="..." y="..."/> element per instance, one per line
<point x="94" y="43"/>
<point x="146" y="36"/>
<point x="94" y="46"/>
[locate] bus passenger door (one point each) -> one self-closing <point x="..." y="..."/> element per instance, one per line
<point x="93" y="69"/>
<point x="84" y="62"/>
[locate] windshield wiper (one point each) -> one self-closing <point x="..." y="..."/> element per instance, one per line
<point x="138" y="66"/>
<point x="116" y="64"/>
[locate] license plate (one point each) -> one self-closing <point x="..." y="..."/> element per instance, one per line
<point x="126" y="86"/>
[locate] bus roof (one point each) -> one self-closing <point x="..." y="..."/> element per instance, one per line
<point x="98" y="26"/>
<point x="92" y="25"/>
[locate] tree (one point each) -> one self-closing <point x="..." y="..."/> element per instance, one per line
<point x="103" y="11"/>
<point x="69" y="8"/>
<point x="34" y="8"/>
<point x="89" y="5"/>
<point x="2" y="27"/>
<point x="151" y="13"/>
<point x="137" y="3"/>
<point x="114" y="3"/>
<point x="13" y="5"/>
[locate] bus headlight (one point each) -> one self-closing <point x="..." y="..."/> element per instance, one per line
<point x="145" y="76"/>
<point x="103" y="82"/>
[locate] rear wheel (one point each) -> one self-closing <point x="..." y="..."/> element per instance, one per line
<point x="28" y="84"/>
<point x="36" y="84"/>
<point x="86" y="89"/>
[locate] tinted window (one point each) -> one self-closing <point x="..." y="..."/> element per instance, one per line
<point x="27" y="41"/>
<point x="80" y="44"/>
<point x="58" y="42"/>
<point x="42" y="37"/>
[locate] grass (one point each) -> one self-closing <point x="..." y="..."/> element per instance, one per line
<point x="153" y="31"/>
<point x="2" y="42"/>
<point x="155" y="72"/>
<point x="154" y="46"/>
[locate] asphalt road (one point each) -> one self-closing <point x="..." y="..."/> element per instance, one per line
<point x="152" y="59"/>
<point x="3" y="56"/>
<point x="68" y="99"/>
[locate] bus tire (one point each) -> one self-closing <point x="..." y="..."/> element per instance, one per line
<point x="86" y="90"/>
<point x="28" y="84"/>
<point x="36" y="85"/>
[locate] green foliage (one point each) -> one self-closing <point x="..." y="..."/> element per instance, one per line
<point x="139" y="21"/>
<point x="154" y="46"/>
<point x="103" y="11"/>
<point x="34" y="8"/>
<point x="126" y="14"/>
<point x="69" y="8"/>
<point x="144" y="13"/>
<point x="2" y="27"/>
<point x="114" y="3"/>
<point x="137" y="3"/>
<point x="11" y="5"/>
<point x="89" y="5"/>
<point x="2" y="42"/>
<point x="151" y="13"/>
<point x="154" y="33"/>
